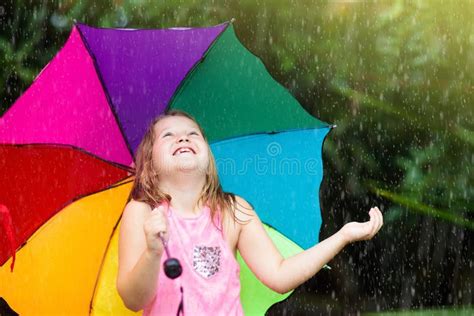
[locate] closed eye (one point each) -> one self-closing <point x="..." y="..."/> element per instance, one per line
<point x="167" y="134"/>
<point x="194" y="133"/>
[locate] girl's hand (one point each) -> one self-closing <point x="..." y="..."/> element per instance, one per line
<point x="355" y="231"/>
<point x="155" y="225"/>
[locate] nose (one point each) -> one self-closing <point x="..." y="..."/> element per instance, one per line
<point x="183" y="138"/>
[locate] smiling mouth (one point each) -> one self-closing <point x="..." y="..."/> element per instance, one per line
<point x="182" y="150"/>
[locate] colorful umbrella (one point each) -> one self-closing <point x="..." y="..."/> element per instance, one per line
<point x="67" y="147"/>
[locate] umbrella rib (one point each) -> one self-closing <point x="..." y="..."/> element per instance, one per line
<point x="268" y="133"/>
<point x="113" y="163"/>
<point x="78" y="23"/>
<point x="331" y="127"/>
<point x="106" y="92"/>
<point x="194" y="67"/>
<point x="99" y="272"/>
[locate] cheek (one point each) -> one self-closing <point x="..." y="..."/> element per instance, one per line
<point x="158" y="157"/>
<point x="205" y="156"/>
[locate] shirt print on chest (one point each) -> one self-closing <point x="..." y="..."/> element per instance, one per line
<point x="206" y="260"/>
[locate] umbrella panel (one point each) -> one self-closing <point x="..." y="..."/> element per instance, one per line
<point x="66" y="105"/>
<point x="280" y="175"/>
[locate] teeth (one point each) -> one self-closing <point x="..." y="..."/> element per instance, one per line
<point x="183" y="150"/>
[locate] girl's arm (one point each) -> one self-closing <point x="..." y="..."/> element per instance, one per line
<point x="283" y="275"/>
<point x="139" y="263"/>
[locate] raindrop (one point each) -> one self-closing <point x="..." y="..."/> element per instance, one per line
<point x="59" y="21"/>
<point x="122" y="19"/>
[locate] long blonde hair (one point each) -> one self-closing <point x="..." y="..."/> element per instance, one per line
<point x="146" y="189"/>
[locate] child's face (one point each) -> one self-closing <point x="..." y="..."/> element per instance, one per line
<point x="179" y="146"/>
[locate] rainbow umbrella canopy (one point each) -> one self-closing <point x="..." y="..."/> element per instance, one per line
<point x="67" y="147"/>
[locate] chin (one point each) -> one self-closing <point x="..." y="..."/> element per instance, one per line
<point x="192" y="167"/>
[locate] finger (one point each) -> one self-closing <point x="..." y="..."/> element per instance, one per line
<point x="379" y="217"/>
<point x="163" y="208"/>
<point x="160" y="211"/>
<point x="156" y="212"/>
<point x="160" y="208"/>
<point x="160" y="230"/>
<point x="378" y="220"/>
<point x="377" y="214"/>
<point x="368" y="227"/>
<point x="375" y="222"/>
<point x="157" y="219"/>
<point x="164" y="233"/>
<point x="162" y="219"/>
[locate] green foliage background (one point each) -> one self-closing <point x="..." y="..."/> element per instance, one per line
<point x="396" y="77"/>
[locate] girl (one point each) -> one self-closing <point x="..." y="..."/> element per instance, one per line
<point x="177" y="198"/>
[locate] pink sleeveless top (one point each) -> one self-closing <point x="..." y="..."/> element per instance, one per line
<point x="210" y="277"/>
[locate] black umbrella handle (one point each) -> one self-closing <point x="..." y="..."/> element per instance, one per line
<point x="172" y="266"/>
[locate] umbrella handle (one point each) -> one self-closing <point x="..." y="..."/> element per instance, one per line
<point x="165" y="244"/>
<point x="172" y="266"/>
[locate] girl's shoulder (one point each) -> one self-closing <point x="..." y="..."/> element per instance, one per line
<point x="242" y="210"/>
<point x="139" y="205"/>
<point x="239" y="213"/>
<point x="136" y="209"/>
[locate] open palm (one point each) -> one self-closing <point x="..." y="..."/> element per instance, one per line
<point x="355" y="231"/>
